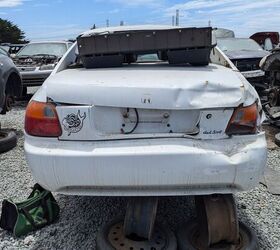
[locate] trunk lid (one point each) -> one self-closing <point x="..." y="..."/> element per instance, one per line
<point x="154" y="86"/>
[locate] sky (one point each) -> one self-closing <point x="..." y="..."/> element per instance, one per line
<point x="65" y="19"/>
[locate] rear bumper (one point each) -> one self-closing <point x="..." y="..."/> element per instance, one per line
<point x="148" y="167"/>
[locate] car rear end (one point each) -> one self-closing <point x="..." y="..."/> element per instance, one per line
<point x="146" y="139"/>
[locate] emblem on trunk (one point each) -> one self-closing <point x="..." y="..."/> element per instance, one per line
<point x="73" y="123"/>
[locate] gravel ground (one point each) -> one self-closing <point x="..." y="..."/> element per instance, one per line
<point x="81" y="217"/>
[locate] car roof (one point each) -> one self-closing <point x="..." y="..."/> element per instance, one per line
<point x="38" y="42"/>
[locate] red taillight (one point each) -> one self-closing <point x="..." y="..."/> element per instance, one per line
<point x="41" y="120"/>
<point x="243" y="121"/>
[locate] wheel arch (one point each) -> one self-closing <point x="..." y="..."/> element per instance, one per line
<point x="14" y="84"/>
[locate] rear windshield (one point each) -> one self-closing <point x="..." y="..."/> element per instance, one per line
<point x="33" y="49"/>
<point x="147" y="58"/>
<point x="237" y="44"/>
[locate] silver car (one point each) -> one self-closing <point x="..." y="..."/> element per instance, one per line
<point x="10" y="81"/>
<point x="37" y="60"/>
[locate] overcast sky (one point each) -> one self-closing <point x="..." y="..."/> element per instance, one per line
<point x="63" y="19"/>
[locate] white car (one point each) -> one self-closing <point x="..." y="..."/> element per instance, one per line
<point x="36" y="61"/>
<point x="145" y="129"/>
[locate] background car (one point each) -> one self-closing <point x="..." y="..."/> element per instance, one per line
<point x="246" y="55"/>
<point x="223" y="33"/>
<point x="268" y="40"/>
<point x="10" y="87"/>
<point x="12" y="49"/>
<point x="5" y="47"/>
<point x="10" y="81"/>
<point x="37" y="60"/>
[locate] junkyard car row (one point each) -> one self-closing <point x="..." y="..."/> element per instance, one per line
<point x="135" y="112"/>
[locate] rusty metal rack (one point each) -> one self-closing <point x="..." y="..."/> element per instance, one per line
<point x="175" y="45"/>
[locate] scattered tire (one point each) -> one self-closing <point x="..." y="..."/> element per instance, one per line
<point x="277" y="139"/>
<point x="8" y="140"/>
<point x="112" y="237"/>
<point x="9" y="101"/>
<point x="187" y="238"/>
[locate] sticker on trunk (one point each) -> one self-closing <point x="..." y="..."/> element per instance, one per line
<point x="73" y="123"/>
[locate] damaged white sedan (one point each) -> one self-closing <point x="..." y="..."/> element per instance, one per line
<point x="134" y="111"/>
<point x="147" y="128"/>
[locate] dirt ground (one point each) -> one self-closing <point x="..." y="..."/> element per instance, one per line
<point x="271" y="131"/>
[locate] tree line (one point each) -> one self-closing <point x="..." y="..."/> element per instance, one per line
<point x="11" y="33"/>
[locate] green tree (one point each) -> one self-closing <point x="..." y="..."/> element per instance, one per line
<point x="10" y="33"/>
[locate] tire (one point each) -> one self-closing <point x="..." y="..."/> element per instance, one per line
<point x="102" y="241"/>
<point x="277" y="139"/>
<point x="140" y="216"/>
<point x="8" y="140"/>
<point x="24" y="91"/>
<point x="9" y="101"/>
<point x="184" y="235"/>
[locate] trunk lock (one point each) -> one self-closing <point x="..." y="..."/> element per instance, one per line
<point x="166" y="115"/>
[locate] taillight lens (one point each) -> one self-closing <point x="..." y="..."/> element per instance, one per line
<point x="41" y="120"/>
<point x="243" y="121"/>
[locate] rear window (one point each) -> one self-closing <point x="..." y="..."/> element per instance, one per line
<point x="148" y="58"/>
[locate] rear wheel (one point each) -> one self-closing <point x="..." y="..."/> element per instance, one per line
<point x="112" y="237"/>
<point x="8" y="140"/>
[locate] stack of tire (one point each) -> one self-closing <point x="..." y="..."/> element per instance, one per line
<point x="110" y="237"/>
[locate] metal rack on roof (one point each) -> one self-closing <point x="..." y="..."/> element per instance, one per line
<point x="175" y="45"/>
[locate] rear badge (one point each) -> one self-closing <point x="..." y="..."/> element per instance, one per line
<point x="73" y="123"/>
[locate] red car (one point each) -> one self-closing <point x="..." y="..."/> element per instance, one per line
<point x="263" y="38"/>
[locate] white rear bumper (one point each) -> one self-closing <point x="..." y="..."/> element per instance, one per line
<point x="148" y="167"/>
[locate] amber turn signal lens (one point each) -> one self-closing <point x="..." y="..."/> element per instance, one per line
<point x="41" y="119"/>
<point x="243" y="121"/>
